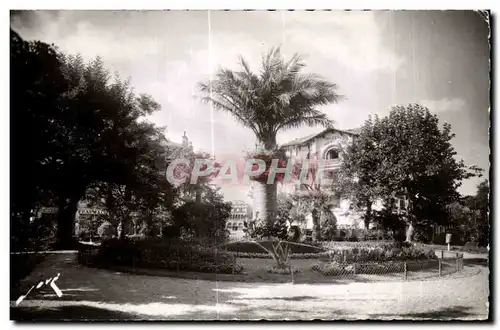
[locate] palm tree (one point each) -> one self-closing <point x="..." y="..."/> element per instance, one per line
<point x="277" y="98"/>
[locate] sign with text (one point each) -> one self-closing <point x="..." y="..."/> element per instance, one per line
<point x="448" y="238"/>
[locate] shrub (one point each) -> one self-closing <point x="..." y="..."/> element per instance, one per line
<point x="106" y="230"/>
<point x="328" y="226"/>
<point x="171" y="231"/>
<point x="277" y="229"/>
<point x="170" y="254"/>
<point x="250" y="247"/>
<point x="207" y="220"/>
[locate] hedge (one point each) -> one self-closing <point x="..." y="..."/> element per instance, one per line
<point x="393" y="251"/>
<point x="165" y="254"/>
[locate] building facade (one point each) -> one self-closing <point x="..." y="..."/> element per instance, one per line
<point x="326" y="147"/>
<point x="235" y="223"/>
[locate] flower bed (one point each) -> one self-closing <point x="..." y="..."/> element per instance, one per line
<point x="333" y="245"/>
<point x="163" y="254"/>
<point x="335" y="268"/>
<point x="383" y="258"/>
<point x="394" y="251"/>
<point x="264" y="255"/>
<point x="249" y="249"/>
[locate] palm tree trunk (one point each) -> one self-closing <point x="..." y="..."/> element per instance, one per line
<point x="265" y="199"/>
<point x="198" y="195"/>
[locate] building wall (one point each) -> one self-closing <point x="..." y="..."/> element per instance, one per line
<point x="235" y="223"/>
<point x="317" y="148"/>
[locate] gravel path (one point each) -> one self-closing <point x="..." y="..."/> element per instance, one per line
<point x="100" y="294"/>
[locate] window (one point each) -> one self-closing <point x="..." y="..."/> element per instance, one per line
<point x="402" y="203"/>
<point x="332" y="154"/>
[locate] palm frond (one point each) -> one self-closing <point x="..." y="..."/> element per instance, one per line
<point x="279" y="97"/>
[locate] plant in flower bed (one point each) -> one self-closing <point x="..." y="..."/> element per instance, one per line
<point x="335" y="268"/>
<point x="282" y="271"/>
<point x="386" y="252"/>
<point x="172" y="254"/>
<point x="375" y="259"/>
<point x="333" y="245"/>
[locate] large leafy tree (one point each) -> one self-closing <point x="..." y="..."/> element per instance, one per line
<point x="37" y="87"/>
<point x="101" y="134"/>
<point x="84" y="126"/>
<point x="475" y="223"/>
<point x="145" y="189"/>
<point x="407" y="155"/>
<point x="277" y="98"/>
<point x="359" y="169"/>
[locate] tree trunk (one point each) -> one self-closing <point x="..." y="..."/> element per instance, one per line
<point x="148" y="223"/>
<point x="265" y="198"/>
<point x="65" y="223"/>
<point x="409" y="232"/>
<point x="368" y="215"/>
<point x="198" y="195"/>
<point x="316" y="235"/>
<point x="121" y="229"/>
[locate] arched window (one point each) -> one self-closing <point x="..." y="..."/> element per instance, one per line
<point x="332" y="154"/>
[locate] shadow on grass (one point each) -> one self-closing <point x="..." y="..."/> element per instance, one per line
<point x="69" y="313"/>
<point x="444" y="313"/>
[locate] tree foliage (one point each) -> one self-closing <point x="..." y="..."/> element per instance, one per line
<point x="206" y="219"/>
<point x="277" y="98"/>
<point x="469" y="216"/>
<point x="85" y="128"/>
<point x="277" y="228"/>
<point x="406" y="155"/>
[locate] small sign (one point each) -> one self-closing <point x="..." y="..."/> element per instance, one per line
<point x="92" y="211"/>
<point x="448" y="238"/>
<point x="48" y="210"/>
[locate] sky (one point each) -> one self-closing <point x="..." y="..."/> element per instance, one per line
<point x="377" y="58"/>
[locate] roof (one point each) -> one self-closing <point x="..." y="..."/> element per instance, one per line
<point x="173" y="144"/>
<point x="303" y="140"/>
